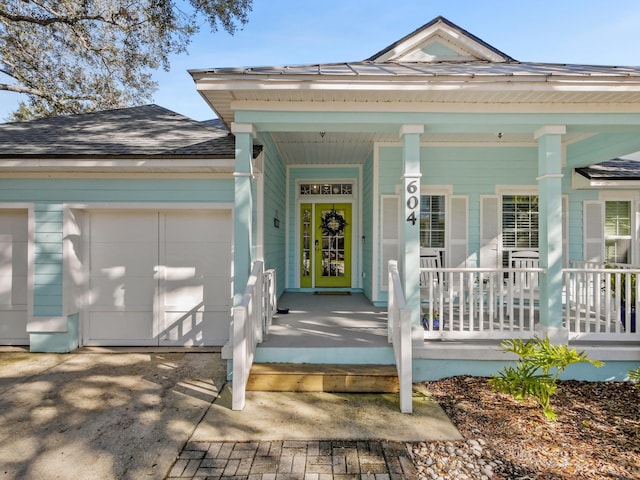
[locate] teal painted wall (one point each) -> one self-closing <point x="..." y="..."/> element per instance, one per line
<point x="116" y="190"/>
<point x="318" y="173"/>
<point x="47" y="262"/>
<point x="575" y="222"/>
<point x="425" y="370"/>
<point x="367" y="227"/>
<point x="275" y="202"/>
<point x="57" y="342"/>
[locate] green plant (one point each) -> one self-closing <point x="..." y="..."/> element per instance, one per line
<point x="536" y="371"/>
<point x="634" y="375"/>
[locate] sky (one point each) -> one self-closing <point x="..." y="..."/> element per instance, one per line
<point x="295" y="32"/>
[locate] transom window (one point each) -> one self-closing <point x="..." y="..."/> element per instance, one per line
<point x="519" y="222"/>
<point x="326" y="189"/>
<point x="432" y="221"/>
<point x="617" y="231"/>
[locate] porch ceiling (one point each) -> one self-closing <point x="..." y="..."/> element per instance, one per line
<point x="353" y="148"/>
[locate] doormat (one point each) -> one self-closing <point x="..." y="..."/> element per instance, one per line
<point x="332" y="293"/>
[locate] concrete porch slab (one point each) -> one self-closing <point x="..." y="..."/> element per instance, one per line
<point x="324" y="416"/>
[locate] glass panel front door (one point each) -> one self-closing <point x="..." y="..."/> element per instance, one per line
<point x="325" y="245"/>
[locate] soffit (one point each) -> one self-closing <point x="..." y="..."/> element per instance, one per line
<point x="337" y="148"/>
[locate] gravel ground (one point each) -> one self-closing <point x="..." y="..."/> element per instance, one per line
<point x="597" y="435"/>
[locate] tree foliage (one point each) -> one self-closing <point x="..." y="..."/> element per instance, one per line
<point x="73" y="56"/>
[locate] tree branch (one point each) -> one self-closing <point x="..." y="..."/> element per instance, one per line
<point x="22" y="89"/>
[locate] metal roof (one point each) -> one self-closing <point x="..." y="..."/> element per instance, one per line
<point x="615" y="169"/>
<point x="475" y="69"/>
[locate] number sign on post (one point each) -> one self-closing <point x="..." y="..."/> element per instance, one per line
<point x="413" y="200"/>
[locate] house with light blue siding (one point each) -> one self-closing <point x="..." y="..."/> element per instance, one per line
<point x="502" y="191"/>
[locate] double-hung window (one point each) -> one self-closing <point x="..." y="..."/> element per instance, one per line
<point x="519" y="223"/>
<point x="617" y="231"/>
<point x="432" y="221"/>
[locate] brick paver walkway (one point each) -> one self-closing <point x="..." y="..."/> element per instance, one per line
<point x="294" y="460"/>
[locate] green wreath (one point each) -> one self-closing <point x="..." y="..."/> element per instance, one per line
<point x="332" y="223"/>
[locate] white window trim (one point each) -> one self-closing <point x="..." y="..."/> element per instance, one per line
<point x="447" y="192"/>
<point x="634" y="198"/>
<point x="501" y="191"/>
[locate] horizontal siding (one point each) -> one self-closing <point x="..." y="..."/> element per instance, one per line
<point x="275" y="178"/>
<point x="116" y="190"/>
<point x="367" y="227"/>
<point x="476" y="171"/>
<point x="47" y="262"/>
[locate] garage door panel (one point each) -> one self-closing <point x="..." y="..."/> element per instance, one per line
<point x="195" y="328"/>
<point x="188" y="298"/>
<point x="123" y="278"/>
<point x="13" y="291"/>
<point x="13" y="327"/>
<point x="121" y="259"/>
<point x="135" y="291"/>
<point x="133" y="227"/>
<point x="197" y="226"/>
<point x="213" y="261"/>
<point x="184" y="295"/>
<point x="13" y="277"/>
<point x="120" y="328"/>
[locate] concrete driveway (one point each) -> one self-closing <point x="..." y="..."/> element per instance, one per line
<point x="101" y="415"/>
<point x="105" y="415"/>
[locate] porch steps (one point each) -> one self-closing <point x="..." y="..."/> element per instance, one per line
<point x="312" y="377"/>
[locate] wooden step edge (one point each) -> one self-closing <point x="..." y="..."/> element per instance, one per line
<point x="371" y="370"/>
<point x="323" y="383"/>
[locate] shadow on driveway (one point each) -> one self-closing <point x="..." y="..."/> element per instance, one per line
<point x="101" y="415"/>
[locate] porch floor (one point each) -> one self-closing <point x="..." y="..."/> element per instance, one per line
<point x="327" y="321"/>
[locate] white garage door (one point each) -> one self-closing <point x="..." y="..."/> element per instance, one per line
<point x="159" y="278"/>
<point x="13" y="277"/>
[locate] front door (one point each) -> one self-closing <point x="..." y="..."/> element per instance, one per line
<point x="325" y="245"/>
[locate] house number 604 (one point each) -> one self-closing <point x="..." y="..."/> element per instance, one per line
<point x="412" y="201"/>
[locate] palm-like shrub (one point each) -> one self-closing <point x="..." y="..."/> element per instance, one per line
<point x="536" y="371"/>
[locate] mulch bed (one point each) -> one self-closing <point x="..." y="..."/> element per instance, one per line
<point x="597" y="435"/>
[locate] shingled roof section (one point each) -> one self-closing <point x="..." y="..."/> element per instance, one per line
<point x="615" y="169"/>
<point x="147" y="130"/>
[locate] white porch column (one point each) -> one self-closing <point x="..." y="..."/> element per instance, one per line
<point x="242" y="214"/>
<point x="550" y="224"/>
<point x="411" y="215"/>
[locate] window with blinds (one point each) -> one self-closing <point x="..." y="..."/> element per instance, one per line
<point x="432" y="221"/>
<point x="617" y="231"/>
<point x="520" y="222"/>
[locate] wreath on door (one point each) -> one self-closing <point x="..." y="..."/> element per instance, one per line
<point x="332" y="223"/>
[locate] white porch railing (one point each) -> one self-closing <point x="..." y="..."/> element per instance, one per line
<point x="269" y="299"/>
<point x="251" y="320"/>
<point x="399" y="333"/>
<point x="596" y="301"/>
<point x="479" y="303"/>
<point x="499" y="303"/>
